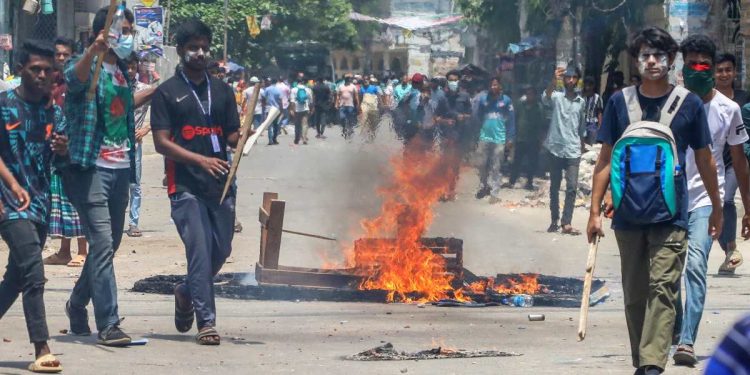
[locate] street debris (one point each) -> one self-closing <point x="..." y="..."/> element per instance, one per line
<point x="536" y="317"/>
<point x="387" y="352"/>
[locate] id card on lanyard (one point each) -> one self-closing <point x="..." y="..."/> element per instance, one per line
<point x="206" y="113"/>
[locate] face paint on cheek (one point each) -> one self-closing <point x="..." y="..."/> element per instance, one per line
<point x="655" y="72"/>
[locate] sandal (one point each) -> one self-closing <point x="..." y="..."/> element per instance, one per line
<point x="208" y="336"/>
<point x="77" y="261"/>
<point x="183" y="319"/>
<point x="569" y="230"/>
<point x="56" y="260"/>
<point x="46" y="364"/>
<point x="732" y="261"/>
<point x="685" y="356"/>
<point x="133" y="231"/>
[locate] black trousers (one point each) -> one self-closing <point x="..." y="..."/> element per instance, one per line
<point x="525" y="160"/>
<point x="319" y="119"/>
<point x="557" y="167"/>
<point x="25" y="274"/>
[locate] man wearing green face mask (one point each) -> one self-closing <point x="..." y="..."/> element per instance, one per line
<point x="726" y="128"/>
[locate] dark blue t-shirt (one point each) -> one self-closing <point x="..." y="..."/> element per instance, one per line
<point x="25" y="133"/>
<point x="690" y="129"/>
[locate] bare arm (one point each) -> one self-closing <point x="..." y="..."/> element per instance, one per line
<point x="599" y="188"/>
<point x="19" y="193"/>
<point x="142" y="97"/>
<point x="83" y="66"/>
<point x="234" y="138"/>
<point x="742" y="171"/>
<point x="707" y="169"/>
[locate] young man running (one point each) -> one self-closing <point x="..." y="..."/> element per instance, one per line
<point x="653" y="254"/>
<point x="194" y="118"/>
<point x="30" y="132"/>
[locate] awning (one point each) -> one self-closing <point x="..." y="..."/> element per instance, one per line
<point x="408" y="22"/>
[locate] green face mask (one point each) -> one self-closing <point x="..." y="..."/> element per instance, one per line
<point x="698" y="81"/>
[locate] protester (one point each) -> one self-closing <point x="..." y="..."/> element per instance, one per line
<point x="64" y="222"/>
<point x="247" y="97"/>
<point x="564" y="143"/>
<point x="321" y="106"/>
<point x="102" y="158"/>
<point x="285" y="90"/>
<point x="529" y="133"/>
<point x="301" y="105"/>
<point x="593" y="109"/>
<point x="272" y="99"/>
<point x="726" y="72"/>
<point x="194" y="119"/>
<point x="347" y="103"/>
<point x="31" y="131"/>
<point x="652" y="238"/>
<point x="498" y="120"/>
<point x="454" y="126"/>
<point x="726" y="128"/>
<point x="369" y="102"/>
<point x="142" y="96"/>
<point x="401" y="90"/>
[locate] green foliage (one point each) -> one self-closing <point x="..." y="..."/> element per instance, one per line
<point x="323" y="21"/>
<point x="497" y="17"/>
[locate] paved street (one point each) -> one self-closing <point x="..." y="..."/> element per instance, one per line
<point x="329" y="186"/>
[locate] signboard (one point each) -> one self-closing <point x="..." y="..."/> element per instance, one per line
<point x="149" y="25"/>
<point x="6" y="42"/>
<point x="686" y="17"/>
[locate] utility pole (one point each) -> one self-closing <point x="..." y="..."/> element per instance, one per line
<point x="226" y="26"/>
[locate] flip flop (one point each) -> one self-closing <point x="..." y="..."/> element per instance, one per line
<point x="38" y="365"/>
<point x="77" y="261"/>
<point x="56" y="260"/>
<point x="205" y="333"/>
<point x="134" y="232"/>
<point x="570" y="231"/>
<point x="183" y="319"/>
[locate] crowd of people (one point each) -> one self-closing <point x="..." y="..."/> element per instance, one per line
<point x="71" y="160"/>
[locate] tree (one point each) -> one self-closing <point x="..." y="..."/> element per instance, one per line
<point x="324" y="21"/>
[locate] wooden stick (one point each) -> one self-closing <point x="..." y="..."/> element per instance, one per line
<point x="590" y="263"/>
<point x="272" y="115"/>
<point x="245" y="130"/>
<point x="309" y="235"/>
<point x="91" y="94"/>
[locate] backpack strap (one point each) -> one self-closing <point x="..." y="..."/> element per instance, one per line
<point x="673" y="104"/>
<point x="635" y="113"/>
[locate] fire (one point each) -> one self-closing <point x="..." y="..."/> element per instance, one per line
<point x="402" y="266"/>
<point x="526" y="284"/>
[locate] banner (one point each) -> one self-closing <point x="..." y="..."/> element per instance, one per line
<point x="252" y="26"/>
<point x="149" y="24"/>
<point x="6" y="42"/>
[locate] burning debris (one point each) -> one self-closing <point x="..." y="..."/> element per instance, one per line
<point x="387" y="352"/>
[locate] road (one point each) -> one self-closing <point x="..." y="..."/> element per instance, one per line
<point x="329" y="186"/>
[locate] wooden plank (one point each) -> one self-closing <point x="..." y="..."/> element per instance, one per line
<point x="303" y="277"/>
<point x="262" y="216"/>
<point x="265" y="206"/>
<point x="246" y="131"/>
<point x="273" y="240"/>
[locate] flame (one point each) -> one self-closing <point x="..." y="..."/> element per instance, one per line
<point x="529" y="284"/>
<point x="402" y="266"/>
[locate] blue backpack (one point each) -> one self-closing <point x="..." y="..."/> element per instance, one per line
<point x="301" y="94"/>
<point x="645" y="165"/>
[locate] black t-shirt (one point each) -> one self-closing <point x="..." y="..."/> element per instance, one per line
<point x="174" y="108"/>
<point x="321" y="95"/>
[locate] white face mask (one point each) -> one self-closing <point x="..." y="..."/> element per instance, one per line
<point x="656" y="71"/>
<point x="192" y="55"/>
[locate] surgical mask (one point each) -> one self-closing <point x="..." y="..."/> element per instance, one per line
<point x="453" y="86"/>
<point x="661" y="68"/>
<point x="699" y="78"/>
<point x="123" y="47"/>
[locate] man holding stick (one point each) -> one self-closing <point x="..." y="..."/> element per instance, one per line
<point x="102" y="166"/>
<point x="194" y="118"/>
<point x="653" y="252"/>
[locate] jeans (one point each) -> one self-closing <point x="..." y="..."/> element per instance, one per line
<point x="25" y="274"/>
<point x="528" y="153"/>
<point x="348" y="119"/>
<point x="284" y="117"/>
<point x="729" y="233"/>
<point x="319" y="119"/>
<point x="206" y="229"/>
<point x="257" y="120"/>
<point x="651" y="259"/>
<point x="135" y="188"/>
<point x="699" y="246"/>
<point x="491" y="159"/>
<point x="273" y="131"/>
<point x="300" y="126"/>
<point x="570" y="167"/>
<point x="100" y="195"/>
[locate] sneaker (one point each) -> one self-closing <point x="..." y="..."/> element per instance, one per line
<point x="553" y="228"/>
<point x="237" y="226"/>
<point x="79" y="320"/>
<point x="483" y="192"/>
<point x="685" y="356"/>
<point x="648" y="370"/>
<point x="113" y="336"/>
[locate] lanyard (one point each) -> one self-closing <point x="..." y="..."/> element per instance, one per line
<point x="206" y="114"/>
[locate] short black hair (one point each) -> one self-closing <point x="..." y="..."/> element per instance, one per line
<point x="727" y="57"/>
<point x="132" y="58"/>
<point x="589" y="80"/>
<point x="67" y="42"/>
<point x="101" y="18"/>
<point x="493" y="79"/>
<point x="453" y="72"/>
<point x="653" y="37"/>
<point x="34" y="47"/>
<point x="699" y="43"/>
<point x="192" y="28"/>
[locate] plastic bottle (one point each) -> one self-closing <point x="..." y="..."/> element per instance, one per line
<point x="115" y="31"/>
<point x="519" y="300"/>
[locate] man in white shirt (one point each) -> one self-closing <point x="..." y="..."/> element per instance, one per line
<point x="726" y="128"/>
<point x="247" y="97"/>
<point x="300" y="104"/>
